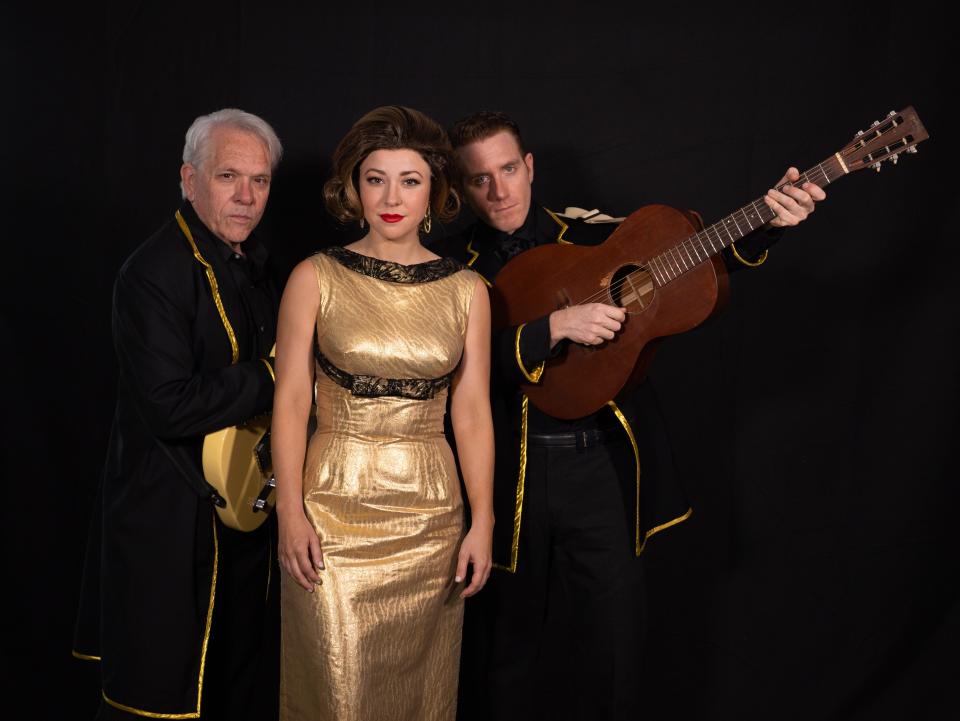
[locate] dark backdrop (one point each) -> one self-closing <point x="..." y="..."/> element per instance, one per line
<point x="813" y="422"/>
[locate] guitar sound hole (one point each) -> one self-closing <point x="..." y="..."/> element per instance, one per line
<point x="631" y="288"/>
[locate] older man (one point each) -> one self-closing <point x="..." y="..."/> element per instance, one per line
<point x="566" y="619"/>
<point x="179" y="609"/>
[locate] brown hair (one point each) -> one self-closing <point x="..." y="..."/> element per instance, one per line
<point x="391" y="127"/>
<point x="482" y="125"/>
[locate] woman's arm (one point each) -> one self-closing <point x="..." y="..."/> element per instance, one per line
<point x="473" y="429"/>
<point x="299" y="547"/>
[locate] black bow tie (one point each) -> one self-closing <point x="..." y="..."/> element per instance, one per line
<point x="509" y="246"/>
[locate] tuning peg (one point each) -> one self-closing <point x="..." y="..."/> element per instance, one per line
<point x="859" y="133"/>
<point x="891" y="113"/>
<point x="876" y="166"/>
<point x="912" y="149"/>
<point x="893" y="158"/>
<point x="874" y="124"/>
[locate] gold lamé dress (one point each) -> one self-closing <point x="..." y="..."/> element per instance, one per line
<point x="379" y="639"/>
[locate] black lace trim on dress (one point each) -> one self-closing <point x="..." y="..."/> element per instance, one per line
<point x="394" y="272"/>
<point x="421" y="389"/>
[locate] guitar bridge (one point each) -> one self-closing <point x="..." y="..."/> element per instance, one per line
<point x="261" y="503"/>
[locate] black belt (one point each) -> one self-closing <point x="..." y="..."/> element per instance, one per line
<point x="578" y="439"/>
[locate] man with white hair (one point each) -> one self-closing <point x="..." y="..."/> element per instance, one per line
<point x="179" y="609"/>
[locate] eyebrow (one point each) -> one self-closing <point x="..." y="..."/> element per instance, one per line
<point x="405" y="172"/>
<point x="487" y="172"/>
<point x="235" y="171"/>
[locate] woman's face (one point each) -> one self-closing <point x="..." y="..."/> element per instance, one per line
<point x="394" y="192"/>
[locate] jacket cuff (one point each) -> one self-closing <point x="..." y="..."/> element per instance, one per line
<point x="751" y="250"/>
<point x="532" y="347"/>
<point x="269" y="363"/>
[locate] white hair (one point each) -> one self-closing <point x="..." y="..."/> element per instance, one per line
<point x="196" y="147"/>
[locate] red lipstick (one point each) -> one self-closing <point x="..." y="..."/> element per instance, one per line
<point x="391" y="218"/>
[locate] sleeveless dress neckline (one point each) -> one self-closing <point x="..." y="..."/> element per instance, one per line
<point x="388" y="270"/>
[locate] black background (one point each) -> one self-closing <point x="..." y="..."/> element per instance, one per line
<point x="814" y="421"/>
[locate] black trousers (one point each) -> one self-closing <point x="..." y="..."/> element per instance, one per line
<point x="562" y="637"/>
<point x="241" y="673"/>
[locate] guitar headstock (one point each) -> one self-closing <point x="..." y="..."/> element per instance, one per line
<point x="884" y="140"/>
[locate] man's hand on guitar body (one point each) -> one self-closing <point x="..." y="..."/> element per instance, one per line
<point x="589" y="324"/>
<point x="794" y="204"/>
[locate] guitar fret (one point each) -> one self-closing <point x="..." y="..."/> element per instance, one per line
<point x="657" y="273"/>
<point x="671" y="266"/>
<point x="675" y="268"/>
<point x="702" y="239"/>
<point x="668" y="256"/>
<point x="726" y="227"/>
<point x="837" y="167"/>
<point x="738" y="226"/>
<point x="664" y="270"/>
<point x="692" y="245"/>
<point x="716" y="232"/>
<point x="712" y="246"/>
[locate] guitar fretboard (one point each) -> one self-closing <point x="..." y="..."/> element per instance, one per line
<point x="697" y="248"/>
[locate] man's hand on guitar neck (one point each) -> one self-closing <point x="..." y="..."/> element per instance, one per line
<point x="589" y="324"/>
<point x="794" y="204"/>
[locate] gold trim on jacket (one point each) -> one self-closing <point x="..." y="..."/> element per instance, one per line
<point x="214" y="288"/>
<point x="203" y="649"/>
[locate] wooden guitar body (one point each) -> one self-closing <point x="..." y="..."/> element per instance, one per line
<point x="551" y="277"/>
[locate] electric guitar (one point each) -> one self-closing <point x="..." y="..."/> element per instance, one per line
<point x="237" y="463"/>
<point x="662" y="270"/>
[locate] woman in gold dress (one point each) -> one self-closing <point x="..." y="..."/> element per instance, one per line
<point x="370" y="512"/>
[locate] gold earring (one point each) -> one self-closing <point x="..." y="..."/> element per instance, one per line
<point x="427" y="222"/>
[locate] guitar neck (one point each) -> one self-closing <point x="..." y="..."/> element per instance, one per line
<point x="699" y="247"/>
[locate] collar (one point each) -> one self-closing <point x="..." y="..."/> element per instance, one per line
<point x="490" y="236"/>
<point x="209" y="244"/>
<point x="540" y="226"/>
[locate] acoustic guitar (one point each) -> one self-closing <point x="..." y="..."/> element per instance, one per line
<point x="662" y="270"/>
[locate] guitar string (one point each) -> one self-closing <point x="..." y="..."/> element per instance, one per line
<point x="712" y="232"/>
<point x="705" y="235"/>
<point x="688" y="243"/>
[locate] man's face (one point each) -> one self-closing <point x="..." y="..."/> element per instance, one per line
<point x="496" y="180"/>
<point x="229" y="189"/>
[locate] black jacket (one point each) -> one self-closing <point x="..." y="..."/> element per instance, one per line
<point x="149" y="584"/>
